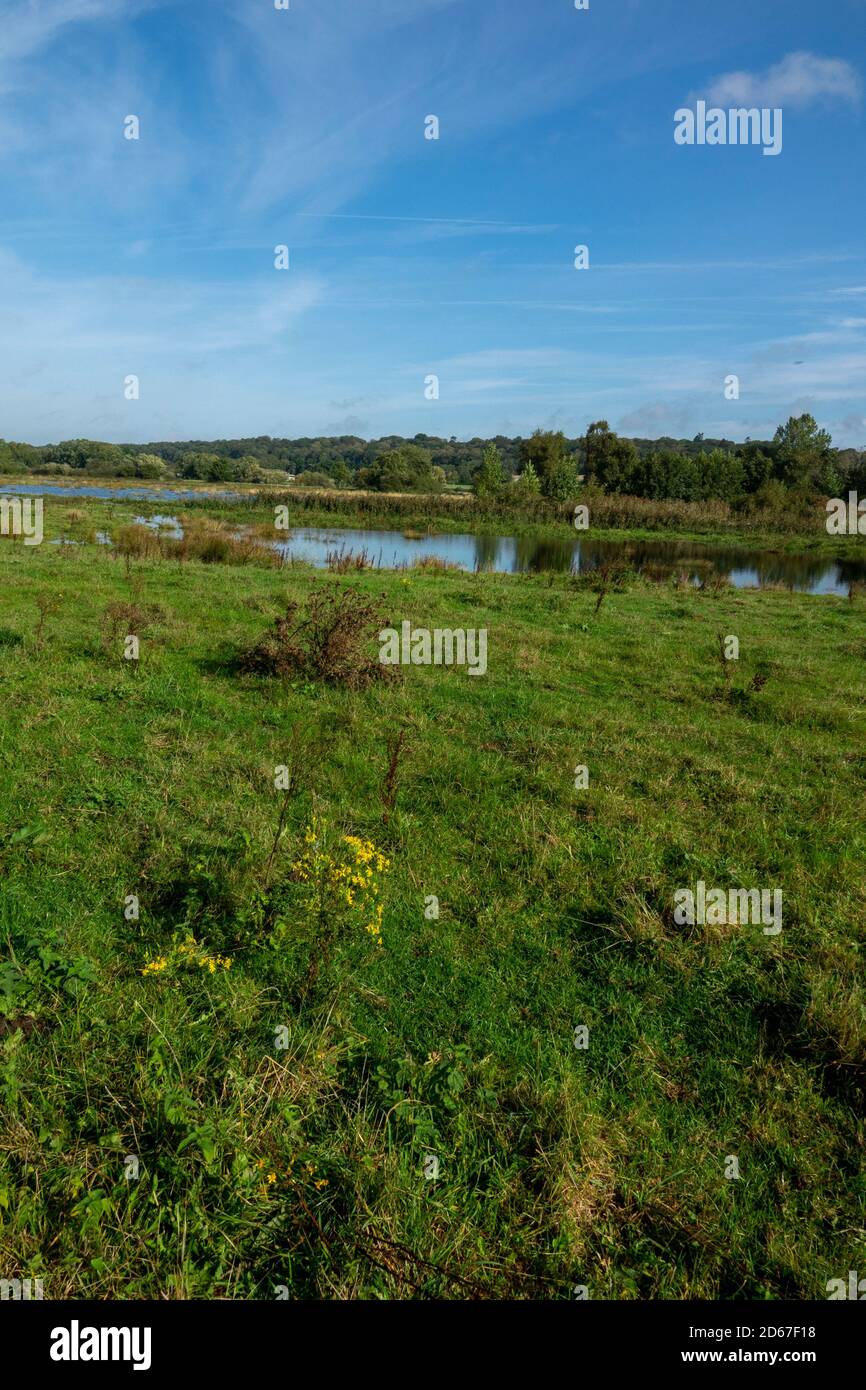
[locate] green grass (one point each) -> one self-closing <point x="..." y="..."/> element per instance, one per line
<point x="602" y="1167"/>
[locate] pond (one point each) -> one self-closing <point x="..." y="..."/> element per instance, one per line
<point x="743" y="566"/>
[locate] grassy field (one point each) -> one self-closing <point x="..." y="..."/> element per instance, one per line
<point x="268" y="1128"/>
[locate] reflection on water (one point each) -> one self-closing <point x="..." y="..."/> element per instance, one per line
<point x="744" y="567"/>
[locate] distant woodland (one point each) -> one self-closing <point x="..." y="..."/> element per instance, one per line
<point x="800" y="457"/>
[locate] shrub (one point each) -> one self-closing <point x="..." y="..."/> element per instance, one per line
<point x="327" y="640"/>
<point x="136" y="542"/>
<point x="150" y="466"/>
<point x="123" y="619"/>
<point x="216" y="549"/>
<point x="314" y="479"/>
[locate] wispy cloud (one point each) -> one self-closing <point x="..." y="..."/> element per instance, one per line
<point x="851" y="430"/>
<point x="305" y="126"/>
<point x="752" y="263"/>
<point x="343" y="90"/>
<point x="67" y="345"/>
<point x="30" y="25"/>
<point x="797" y="81"/>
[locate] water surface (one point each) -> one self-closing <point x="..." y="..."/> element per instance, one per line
<point x="135" y="494"/>
<point x="744" y="566"/>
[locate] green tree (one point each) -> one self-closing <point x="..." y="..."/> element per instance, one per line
<point x="249" y="470"/>
<point x="222" y="471"/>
<point x="802" y="452"/>
<point x="611" y="462"/>
<point x="554" y="467"/>
<point x="196" y="465"/>
<point x="757" y="466"/>
<point x="408" y="468"/>
<point x="74" y="453"/>
<point x="150" y="466"/>
<point x="490" y="477"/>
<point x="595" y="447"/>
<point x="722" y="474"/>
<point x="528" y="484"/>
<point x="8" y="461"/>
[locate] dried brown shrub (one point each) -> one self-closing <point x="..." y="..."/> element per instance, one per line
<point x="326" y="639"/>
<point x="126" y="619"/>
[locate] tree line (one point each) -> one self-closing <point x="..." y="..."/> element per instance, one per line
<point x="800" y="457"/>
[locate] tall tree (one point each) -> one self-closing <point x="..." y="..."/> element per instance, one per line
<point x="802" y="452"/>
<point x="556" y="469"/>
<point x="595" y="443"/>
<point x="528" y="483"/>
<point x="405" y="469"/>
<point x="610" y="461"/>
<point x="490" y="477"/>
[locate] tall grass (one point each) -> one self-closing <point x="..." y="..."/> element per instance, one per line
<point x="206" y="541"/>
<point x="410" y="511"/>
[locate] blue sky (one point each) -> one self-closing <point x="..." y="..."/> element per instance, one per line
<point x="411" y="257"/>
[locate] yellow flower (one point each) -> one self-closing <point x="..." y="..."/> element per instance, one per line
<point x="187" y="952"/>
<point x="153" y="967"/>
<point x="344" y="879"/>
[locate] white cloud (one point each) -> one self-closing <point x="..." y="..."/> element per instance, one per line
<point x="797" y="81"/>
